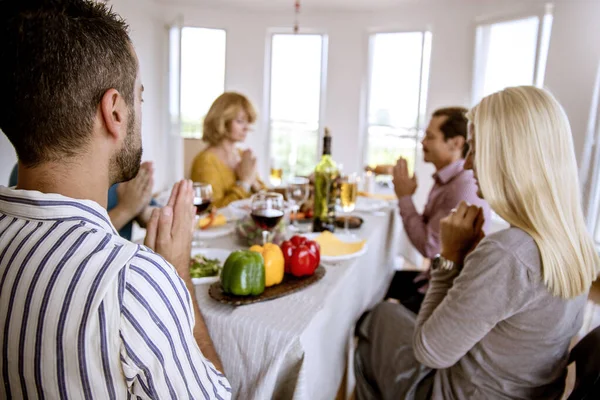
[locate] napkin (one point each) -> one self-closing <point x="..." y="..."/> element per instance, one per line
<point x="332" y="246"/>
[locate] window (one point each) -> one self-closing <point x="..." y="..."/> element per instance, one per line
<point x="511" y="53"/>
<point x="399" y="70"/>
<point x="589" y="166"/>
<point x="202" y="75"/>
<point x="296" y="87"/>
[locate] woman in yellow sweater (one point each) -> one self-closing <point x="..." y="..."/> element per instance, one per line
<point x="231" y="172"/>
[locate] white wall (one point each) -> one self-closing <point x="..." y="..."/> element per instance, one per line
<point x="8" y="158"/>
<point x="573" y="57"/>
<point x="453" y="27"/>
<point x="148" y="34"/>
<point x="572" y="61"/>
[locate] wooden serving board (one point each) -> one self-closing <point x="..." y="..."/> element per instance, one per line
<point x="290" y="284"/>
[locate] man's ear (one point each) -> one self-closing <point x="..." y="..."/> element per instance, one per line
<point x="457" y="143"/>
<point x="114" y="114"/>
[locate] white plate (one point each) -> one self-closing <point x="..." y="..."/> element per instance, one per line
<point x="244" y="206"/>
<point x="343" y="238"/>
<point x="366" y="204"/>
<point x="219" y="231"/>
<point x="219" y="254"/>
<point x="241" y="206"/>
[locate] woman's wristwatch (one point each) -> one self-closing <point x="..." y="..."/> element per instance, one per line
<point x="441" y="263"/>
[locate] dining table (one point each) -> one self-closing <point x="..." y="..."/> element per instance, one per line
<point x="300" y="346"/>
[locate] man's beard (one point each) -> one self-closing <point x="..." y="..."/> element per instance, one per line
<point x="127" y="162"/>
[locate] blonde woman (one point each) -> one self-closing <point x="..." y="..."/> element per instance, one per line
<point x="231" y="172"/>
<point x="500" y="311"/>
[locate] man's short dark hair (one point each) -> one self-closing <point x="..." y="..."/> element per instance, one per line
<point x="58" y="58"/>
<point x="455" y="125"/>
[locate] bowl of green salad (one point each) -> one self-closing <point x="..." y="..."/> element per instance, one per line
<point x="206" y="265"/>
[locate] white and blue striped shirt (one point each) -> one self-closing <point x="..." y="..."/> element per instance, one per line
<point x="85" y="313"/>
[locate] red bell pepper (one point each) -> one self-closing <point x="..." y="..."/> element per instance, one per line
<point x="302" y="256"/>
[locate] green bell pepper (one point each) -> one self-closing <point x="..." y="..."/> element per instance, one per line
<point x="243" y="274"/>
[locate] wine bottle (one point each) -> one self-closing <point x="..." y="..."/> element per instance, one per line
<point x="326" y="177"/>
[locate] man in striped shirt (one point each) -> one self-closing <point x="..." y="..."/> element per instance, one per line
<point x="85" y="313"/>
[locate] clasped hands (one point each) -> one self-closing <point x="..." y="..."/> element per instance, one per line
<point x="461" y="231"/>
<point x="404" y="185"/>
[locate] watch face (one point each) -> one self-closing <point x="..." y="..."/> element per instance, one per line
<point x="435" y="264"/>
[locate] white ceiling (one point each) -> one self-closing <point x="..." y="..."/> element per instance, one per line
<point x="305" y="5"/>
<point x="309" y="6"/>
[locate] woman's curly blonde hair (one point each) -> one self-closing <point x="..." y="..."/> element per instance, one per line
<point x="223" y="110"/>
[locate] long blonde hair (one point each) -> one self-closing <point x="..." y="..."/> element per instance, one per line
<point x="527" y="172"/>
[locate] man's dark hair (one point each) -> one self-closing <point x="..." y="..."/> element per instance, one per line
<point x="455" y="125"/>
<point x="59" y="57"/>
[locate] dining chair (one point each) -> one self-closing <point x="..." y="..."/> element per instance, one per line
<point x="586" y="355"/>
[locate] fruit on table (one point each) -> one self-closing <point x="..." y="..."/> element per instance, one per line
<point x="212" y="220"/>
<point x="381" y="169"/>
<point x="274" y="262"/>
<point x="243" y="274"/>
<point x="302" y="256"/>
<point x="299" y="216"/>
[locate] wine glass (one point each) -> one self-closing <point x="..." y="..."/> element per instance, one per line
<point x="202" y="200"/>
<point x="267" y="211"/>
<point x="297" y="193"/>
<point x="348" y="194"/>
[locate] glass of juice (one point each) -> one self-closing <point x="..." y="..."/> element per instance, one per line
<point x="348" y="194"/>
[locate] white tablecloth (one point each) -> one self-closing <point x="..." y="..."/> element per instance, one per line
<point x="296" y="347"/>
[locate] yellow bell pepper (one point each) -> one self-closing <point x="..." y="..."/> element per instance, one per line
<point x="274" y="262"/>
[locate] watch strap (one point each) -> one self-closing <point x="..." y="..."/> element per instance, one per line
<point x="441" y="263"/>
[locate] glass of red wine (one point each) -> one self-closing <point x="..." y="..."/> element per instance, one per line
<point x="202" y="200"/>
<point x="267" y="211"/>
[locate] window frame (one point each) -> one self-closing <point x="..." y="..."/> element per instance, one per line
<point x="266" y="118"/>
<point x="419" y="129"/>
<point x="540" y="61"/>
<point x="589" y="168"/>
<point x="541" y="48"/>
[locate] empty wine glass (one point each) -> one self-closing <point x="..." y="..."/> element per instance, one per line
<point x="202" y="200"/>
<point x="348" y="194"/>
<point x="297" y="193"/>
<point x="267" y="211"/>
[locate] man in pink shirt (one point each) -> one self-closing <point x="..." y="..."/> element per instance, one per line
<point x="445" y="146"/>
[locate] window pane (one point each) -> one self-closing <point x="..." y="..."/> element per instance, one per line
<point x="399" y="70"/>
<point x="296" y="68"/>
<point x="387" y="144"/>
<point x="202" y="75"/>
<point x="510" y="58"/>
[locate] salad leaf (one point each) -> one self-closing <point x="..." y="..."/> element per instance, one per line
<point x="201" y="267"/>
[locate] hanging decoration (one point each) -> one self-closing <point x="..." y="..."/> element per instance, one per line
<point x="296" y="13"/>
